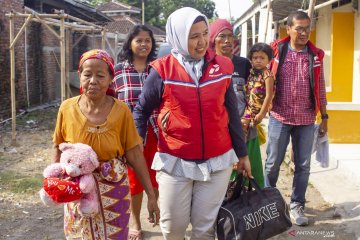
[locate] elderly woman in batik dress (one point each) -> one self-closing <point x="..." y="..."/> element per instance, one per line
<point x="106" y="124"/>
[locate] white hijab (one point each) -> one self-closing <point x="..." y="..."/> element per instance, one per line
<point x="177" y="34"/>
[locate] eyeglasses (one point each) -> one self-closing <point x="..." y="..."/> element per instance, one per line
<point x="224" y="36"/>
<point x="300" y="30"/>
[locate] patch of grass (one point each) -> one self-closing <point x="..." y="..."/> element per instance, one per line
<point x="26" y="117"/>
<point x="16" y="183"/>
<point x="44" y="118"/>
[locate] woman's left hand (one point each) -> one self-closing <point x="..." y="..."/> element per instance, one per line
<point x="244" y="167"/>
<point x="154" y="211"/>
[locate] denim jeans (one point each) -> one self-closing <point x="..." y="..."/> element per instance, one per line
<point x="302" y="137"/>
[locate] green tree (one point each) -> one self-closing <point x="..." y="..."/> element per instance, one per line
<point x="152" y="10"/>
<point x="207" y="7"/>
<point x="96" y="3"/>
<point x="157" y="11"/>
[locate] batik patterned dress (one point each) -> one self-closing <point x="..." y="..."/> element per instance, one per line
<point x="109" y="140"/>
<point x="255" y="90"/>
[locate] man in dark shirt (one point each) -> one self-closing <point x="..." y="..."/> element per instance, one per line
<point x="222" y="42"/>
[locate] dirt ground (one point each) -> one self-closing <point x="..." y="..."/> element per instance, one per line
<point x="22" y="215"/>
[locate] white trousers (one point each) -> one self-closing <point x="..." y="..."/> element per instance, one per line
<point x="183" y="201"/>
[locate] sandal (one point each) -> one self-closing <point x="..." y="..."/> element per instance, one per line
<point x="135" y="234"/>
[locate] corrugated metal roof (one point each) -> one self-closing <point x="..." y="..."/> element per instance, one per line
<point x="282" y="8"/>
<point x="123" y="24"/>
<point x="88" y="11"/>
<point x="75" y="8"/>
<point x="115" y="6"/>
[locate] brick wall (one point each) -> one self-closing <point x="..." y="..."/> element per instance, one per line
<point x="43" y="58"/>
<point x="34" y="63"/>
<point x="5" y="97"/>
<point x="50" y="65"/>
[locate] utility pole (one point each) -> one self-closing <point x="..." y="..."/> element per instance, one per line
<point x="311" y="12"/>
<point x="143" y="11"/>
<point x="267" y="18"/>
<point x="230" y="20"/>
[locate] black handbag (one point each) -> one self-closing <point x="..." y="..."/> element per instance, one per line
<point x="252" y="213"/>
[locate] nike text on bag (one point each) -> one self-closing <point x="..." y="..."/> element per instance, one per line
<point x="252" y="213"/>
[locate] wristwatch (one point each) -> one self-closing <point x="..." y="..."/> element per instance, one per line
<point x="324" y="116"/>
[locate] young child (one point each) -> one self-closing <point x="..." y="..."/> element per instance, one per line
<point x="259" y="88"/>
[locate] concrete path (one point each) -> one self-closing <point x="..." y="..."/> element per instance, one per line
<point x="333" y="201"/>
<point x="339" y="184"/>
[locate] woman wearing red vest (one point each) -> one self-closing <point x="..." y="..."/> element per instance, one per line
<point x="200" y="134"/>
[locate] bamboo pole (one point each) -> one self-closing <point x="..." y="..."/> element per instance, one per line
<point x="78" y="40"/>
<point x="103" y="41"/>
<point x="52" y="18"/>
<point x="311" y="12"/>
<point x="12" y="80"/>
<point x="67" y="66"/>
<point x="116" y="47"/>
<point x="26" y="67"/>
<point x="93" y="39"/>
<point x="44" y="19"/>
<point x="230" y="20"/>
<point x="61" y="12"/>
<point x="62" y="59"/>
<point x="16" y="14"/>
<point x="57" y="23"/>
<point x="47" y="26"/>
<point x="20" y="31"/>
<point x="143" y="12"/>
<point x="110" y="47"/>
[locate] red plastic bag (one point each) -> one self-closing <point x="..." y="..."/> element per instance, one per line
<point x="61" y="190"/>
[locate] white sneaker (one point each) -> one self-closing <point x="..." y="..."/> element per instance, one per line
<point x="298" y="216"/>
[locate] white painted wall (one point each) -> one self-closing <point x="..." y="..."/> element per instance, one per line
<point x="356" y="76"/>
<point x="323" y="40"/>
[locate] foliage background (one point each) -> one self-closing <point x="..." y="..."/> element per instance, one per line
<point x="157" y="11"/>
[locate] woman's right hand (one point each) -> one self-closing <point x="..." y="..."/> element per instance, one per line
<point x="135" y="159"/>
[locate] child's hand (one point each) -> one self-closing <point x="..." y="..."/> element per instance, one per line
<point x="258" y="118"/>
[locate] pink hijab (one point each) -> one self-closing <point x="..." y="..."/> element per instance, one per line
<point x="215" y="28"/>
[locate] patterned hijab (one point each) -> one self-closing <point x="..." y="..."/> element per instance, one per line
<point x="178" y="27"/>
<point x="98" y="54"/>
<point x="102" y="55"/>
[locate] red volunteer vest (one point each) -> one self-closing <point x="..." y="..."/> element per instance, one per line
<point x="193" y="120"/>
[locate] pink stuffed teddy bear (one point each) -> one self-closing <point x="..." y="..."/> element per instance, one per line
<point x="72" y="179"/>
